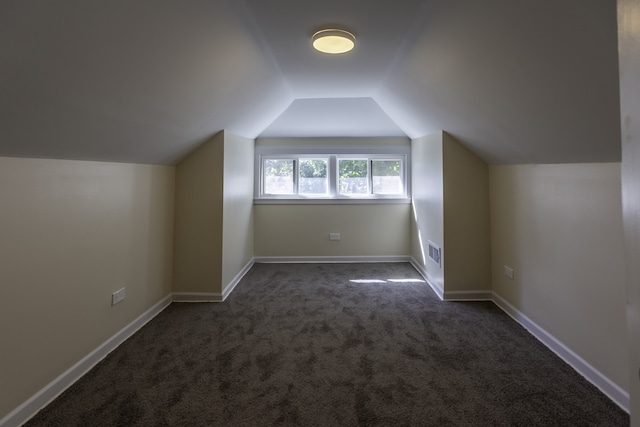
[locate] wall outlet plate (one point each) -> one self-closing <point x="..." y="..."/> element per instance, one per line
<point x="508" y="271"/>
<point x="334" y="236"/>
<point x="118" y="296"/>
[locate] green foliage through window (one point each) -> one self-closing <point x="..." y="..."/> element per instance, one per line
<point x="313" y="177"/>
<point x="313" y="168"/>
<point x="333" y="176"/>
<point x="353" y="168"/>
<point x="385" y="167"/>
<point x="278" y="167"/>
<point x="278" y="176"/>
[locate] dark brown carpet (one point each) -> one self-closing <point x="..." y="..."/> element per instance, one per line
<point x="301" y="344"/>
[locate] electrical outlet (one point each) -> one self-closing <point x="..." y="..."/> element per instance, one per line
<point x="334" y="236"/>
<point x="118" y="296"/>
<point x="508" y="271"/>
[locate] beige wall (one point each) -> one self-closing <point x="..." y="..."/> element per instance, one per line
<point x="71" y="233"/>
<point x="289" y="230"/>
<point x="427" y="216"/>
<point x="198" y="219"/>
<point x="214" y="214"/>
<point x="303" y="230"/>
<point x="629" y="50"/>
<point x="466" y="219"/>
<point x="560" y="228"/>
<point x="238" y="206"/>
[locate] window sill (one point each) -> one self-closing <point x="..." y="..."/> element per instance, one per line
<point x="336" y="201"/>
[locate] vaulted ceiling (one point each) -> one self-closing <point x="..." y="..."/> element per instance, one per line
<point x="147" y="81"/>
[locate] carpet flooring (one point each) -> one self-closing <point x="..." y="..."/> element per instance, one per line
<point x="332" y="345"/>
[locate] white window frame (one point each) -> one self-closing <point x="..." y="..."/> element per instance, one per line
<point x="333" y="154"/>
<point x="296" y="176"/>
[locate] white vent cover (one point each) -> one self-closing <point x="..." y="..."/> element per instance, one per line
<point x="434" y="253"/>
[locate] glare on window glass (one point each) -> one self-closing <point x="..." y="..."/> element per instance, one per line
<point x="353" y="177"/>
<point x="386" y="177"/>
<point x="313" y="177"/>
<point x="278" y="176"/>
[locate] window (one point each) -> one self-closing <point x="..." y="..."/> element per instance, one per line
<point x="328" y="177"/>
<point x="296" y="176"/>
<point x="386" y="176"/>
<point x="313" y="177"/>
<point x="353" y="177"/>
<point x="278" y="176"/>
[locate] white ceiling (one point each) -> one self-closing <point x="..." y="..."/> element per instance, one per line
<point x="516" y="81"/>
<point x="330" y="117"/>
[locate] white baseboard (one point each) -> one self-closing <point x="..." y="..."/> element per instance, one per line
<point x="423" y="272"/>
<point x="213" y="296"/>
<point x="606" y="386"/>
<point x="232" y="285"/>
<point x="468" y="295"/>
<point x="197" y="297"/>
<point x="330" y="259"/>
<point x="38" y="401"/>
<point x="52" y="390"/>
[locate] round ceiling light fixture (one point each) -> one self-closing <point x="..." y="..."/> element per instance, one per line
<point x="333" y="41"/>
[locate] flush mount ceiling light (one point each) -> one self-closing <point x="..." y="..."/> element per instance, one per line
<point x="333" y="41"/>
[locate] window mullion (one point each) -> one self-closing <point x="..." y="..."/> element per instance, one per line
<point x="261" y="177"/>
<point x="333" y="176"/>
<point x="370" y="177"/>
<point x="296" y="177"/>
<point x="403" y="176"/>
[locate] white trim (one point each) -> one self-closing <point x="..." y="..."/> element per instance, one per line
<point x="47" y="394"/>
<point x="214" y="296"/>
<point x="197" y="297"/>
<point x="331" y="201"/>
<point x="238" y="277"/>
<point x="52" y="390"/>
<point x="468" y="295"/>
<point x="331" y="152"/>
<point x="606" y="386"/>
<point x="329" y="259"/>
<point x="595" y="377"/>
<point x="297" y="147"/>
<point x="423" y="272"/>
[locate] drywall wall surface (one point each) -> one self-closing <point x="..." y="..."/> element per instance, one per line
<point x="629" y="56"/>
<point x="289" y="230"/>
<point x="237" y="246"/>
<point x="560" y="228"/>
<point x="466" y="219"/>
<point x="72" y="233"/>
<point x="198" y="219"/>
<point x="303" y="230"/>
<point x="427" y="216"/>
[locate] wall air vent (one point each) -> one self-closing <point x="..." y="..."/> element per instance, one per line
<point x="434" y="253"/>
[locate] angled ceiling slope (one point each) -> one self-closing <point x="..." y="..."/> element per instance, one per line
<point x="333" y="117"/>
<point x="143" y="81"/>
<point x="516" y="82"/>
<point x="148" y="81"/>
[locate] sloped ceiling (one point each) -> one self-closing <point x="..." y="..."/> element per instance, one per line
<point x="329" y="117"/>
<point x="516" y="81"/>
